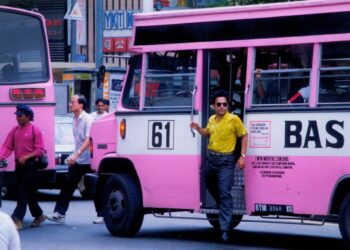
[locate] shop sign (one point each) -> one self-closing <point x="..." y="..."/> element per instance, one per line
<point x="108" y="44"/>
<point x="120" y="44"/>
<point x="119" y="19"/>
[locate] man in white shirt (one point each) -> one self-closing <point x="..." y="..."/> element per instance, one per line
<point x="79" y="161"/>
<point x="100" y="109"/>
<point x="9" y="238"/>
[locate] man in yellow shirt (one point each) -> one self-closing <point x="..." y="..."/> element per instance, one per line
<point x="222" y="130"/>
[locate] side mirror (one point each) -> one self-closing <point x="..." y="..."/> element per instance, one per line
<point x="101" y="75"/>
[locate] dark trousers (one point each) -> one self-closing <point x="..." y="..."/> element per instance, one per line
<point x="219" y="181"/>
<point x="75" y="173"/>
<point x="26" y="177"/>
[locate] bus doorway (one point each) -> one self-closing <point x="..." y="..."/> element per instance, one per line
<point x="224" y="69"/>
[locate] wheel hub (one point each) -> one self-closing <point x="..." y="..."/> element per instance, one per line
<point x="116" y="204"/>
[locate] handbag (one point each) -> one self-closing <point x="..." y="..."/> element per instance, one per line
<point x="43" y="161"/>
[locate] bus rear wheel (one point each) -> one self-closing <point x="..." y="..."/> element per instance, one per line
<point x="344" y="219"/>
<point x="214" y="220"/>
<point x="122" y="201"/>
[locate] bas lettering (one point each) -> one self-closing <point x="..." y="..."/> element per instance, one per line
<point x="295" y="131"/>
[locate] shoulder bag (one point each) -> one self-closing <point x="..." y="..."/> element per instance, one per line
<point x="43" y="161"/>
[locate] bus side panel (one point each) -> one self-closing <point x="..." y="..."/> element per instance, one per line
<point x="168" y="181"/>
<point x="104" y="135"/>
<point x="287" y="182"/>
<point x="166" y="157"/>
<point x="295" y="159"/>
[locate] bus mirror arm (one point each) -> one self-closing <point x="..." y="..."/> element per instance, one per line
<point x="192" y="108"/>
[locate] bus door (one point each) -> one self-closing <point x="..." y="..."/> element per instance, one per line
<point x="227" y="70"/>
<point x="159" y="141"/>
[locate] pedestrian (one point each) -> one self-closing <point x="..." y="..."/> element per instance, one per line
<point x="79" y="161"/>
<point x="106" y="101"/>
<point x="100" y="109"/>
<point x="222" y="130"/>
<point x="26" y="141"/>
<point x="9" y="238"/>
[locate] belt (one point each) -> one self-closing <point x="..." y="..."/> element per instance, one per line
<point x="216" y="153"/>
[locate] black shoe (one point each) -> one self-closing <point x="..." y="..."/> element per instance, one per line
<point x="225" y="236"/>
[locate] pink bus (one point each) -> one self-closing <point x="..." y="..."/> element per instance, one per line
<point x="25" y="78"/>
<point x="287" y="69"/>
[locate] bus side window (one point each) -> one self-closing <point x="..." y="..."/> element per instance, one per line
<point x="170" y="80"/>
<point x="280" y="73"/>
<point x="131" y="96"/>
<point x="334" y="82"/>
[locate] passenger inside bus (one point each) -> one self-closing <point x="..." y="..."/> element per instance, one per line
<point x="301" y="96"/>
<point x="268" y="89"/>
<point x="280" y="72"/>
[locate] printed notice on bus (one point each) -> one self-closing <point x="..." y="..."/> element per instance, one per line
<point x="272" y="166"/>
<point x="260" y="134"/>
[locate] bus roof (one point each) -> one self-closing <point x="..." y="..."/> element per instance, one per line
<point x="208" y="25"/>
<point x="246" y="11"/>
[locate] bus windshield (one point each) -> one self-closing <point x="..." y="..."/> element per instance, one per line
<point x="169" y="81"/>
<point x="23" y="58"/>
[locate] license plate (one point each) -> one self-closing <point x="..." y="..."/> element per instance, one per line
<point x="274" y="208"/>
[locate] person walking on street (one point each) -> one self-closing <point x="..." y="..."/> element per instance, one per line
<point x="26" y="141"/>
<point x="222" y="130"/>
<point x="9" y="237"/>
<point x="79" y="161"/>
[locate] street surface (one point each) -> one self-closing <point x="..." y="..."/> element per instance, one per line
<point x="80" y="233"/>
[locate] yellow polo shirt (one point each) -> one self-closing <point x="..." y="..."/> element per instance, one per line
<point x="224" y="133"/>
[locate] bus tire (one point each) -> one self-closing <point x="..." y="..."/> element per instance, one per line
<point x="344" y="219"/>
<point x="122" y="206"/>
<point x="214" y="220"/>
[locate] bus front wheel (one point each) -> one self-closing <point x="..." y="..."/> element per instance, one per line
<point x="344" y="219"/>
<point x="122" y="201"/>
<point x="214" y="220"/>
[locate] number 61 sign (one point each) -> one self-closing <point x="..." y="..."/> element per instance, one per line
<point x="161" y="134"/>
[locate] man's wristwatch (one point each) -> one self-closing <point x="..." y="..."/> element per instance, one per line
<point x="243" y="155"/>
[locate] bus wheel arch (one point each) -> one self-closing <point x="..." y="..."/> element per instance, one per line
<point x="344" y="219"/>
<point x="110" y="166"/>
<point x="341" y="190"/>
<point x="119" y="196"/>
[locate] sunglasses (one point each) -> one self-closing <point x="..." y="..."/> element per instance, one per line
<point x="219" y="104"/>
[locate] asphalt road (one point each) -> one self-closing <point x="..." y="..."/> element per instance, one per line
<point x="80" y="233"/>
